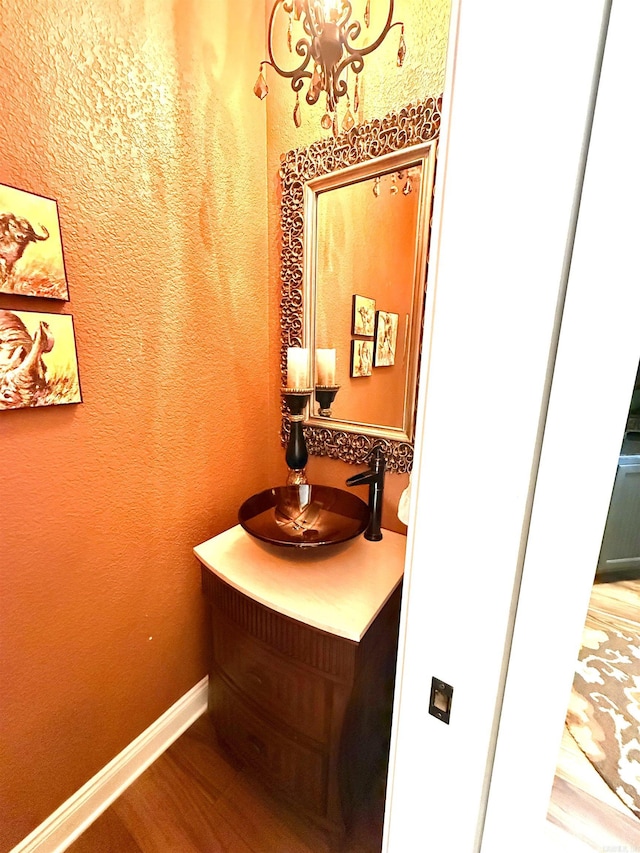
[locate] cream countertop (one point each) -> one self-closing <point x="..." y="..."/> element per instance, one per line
<point x="339" y="589"/>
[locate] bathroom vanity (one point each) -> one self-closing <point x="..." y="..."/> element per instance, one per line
<point x="303" y="655"/>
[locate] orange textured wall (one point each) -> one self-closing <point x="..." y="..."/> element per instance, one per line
<point x="384" y="88"/>
<point x="139" y="119"/>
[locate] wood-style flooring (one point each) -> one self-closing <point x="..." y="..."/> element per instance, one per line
<point x="196" y="799"/>
<point x="581" y="802"/>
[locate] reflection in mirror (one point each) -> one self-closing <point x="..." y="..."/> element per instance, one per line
<point x="367" y="236"/>
<point x="355" y="213"/>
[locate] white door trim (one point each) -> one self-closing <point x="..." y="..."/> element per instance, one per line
<point x="597" y="359"/>
<point x="516" y="107"/>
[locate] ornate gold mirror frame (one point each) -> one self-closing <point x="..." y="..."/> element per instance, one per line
<point x="380" y="138"/>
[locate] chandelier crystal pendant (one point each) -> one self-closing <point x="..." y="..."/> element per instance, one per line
<point x="327" y="51"/>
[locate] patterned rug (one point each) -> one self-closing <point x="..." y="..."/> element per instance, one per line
<point x="604" y="711"/>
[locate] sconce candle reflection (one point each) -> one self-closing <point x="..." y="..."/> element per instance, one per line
<point x="326" y="388"/>
<point x="325" y="395"/>
<point x="326" y="366"/>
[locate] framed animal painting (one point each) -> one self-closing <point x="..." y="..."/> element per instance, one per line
<point x="31" y="256"/>
<point x="386" y="339"/>
<point x="361" y="358"/>
<point x="363" y="315"/>
<point x="38" y="360"/>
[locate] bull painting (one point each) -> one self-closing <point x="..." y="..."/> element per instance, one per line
<point x="31" y="257"/>
<point x="15" y="236"/>
<point x="38" y="362"/>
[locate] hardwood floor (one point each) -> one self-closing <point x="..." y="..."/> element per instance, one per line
<point x="581" y="802"/>
<point x="195" y="799"/>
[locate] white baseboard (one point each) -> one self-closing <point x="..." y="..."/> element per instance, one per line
<point x="62" y="828"/>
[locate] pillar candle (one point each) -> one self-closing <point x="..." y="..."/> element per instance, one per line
<point x="326" y="366"/>
<point x="297" y="367"/>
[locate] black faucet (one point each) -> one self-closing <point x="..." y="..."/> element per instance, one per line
<point x="375" y="478"/>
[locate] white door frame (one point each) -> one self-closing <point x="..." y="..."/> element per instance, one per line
<point x="517" y="109"/>
<point x="597" y="359"/>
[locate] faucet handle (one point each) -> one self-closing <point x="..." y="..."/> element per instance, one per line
<point x="377" y="459"/>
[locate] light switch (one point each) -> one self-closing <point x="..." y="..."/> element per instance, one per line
<point x="440" y="700"/>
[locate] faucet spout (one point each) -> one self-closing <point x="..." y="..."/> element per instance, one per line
<point x="374" y="478"/>
<point x="362" y="479"/>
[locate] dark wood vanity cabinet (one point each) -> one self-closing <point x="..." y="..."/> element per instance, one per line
<point x="307" y="710"/>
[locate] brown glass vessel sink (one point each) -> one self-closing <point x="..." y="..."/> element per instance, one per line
<point x="304" y="516"/>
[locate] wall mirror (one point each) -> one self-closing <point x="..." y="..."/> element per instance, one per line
<point x="355" y="237"/>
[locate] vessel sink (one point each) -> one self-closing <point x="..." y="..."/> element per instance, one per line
<point x="304" y="516"/>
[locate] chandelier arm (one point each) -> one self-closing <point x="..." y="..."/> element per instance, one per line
<point x="303" y="49"/>
<point x="347" y="11"/>
<point x="354" y="59"/>
<point x="297" y="76"/>
<point x="311" y="97"/>
<point x="339" y="85"/>
<point x="308" y="22"/>
<point x="297" y="82"/>
<point x="353" y="31"/>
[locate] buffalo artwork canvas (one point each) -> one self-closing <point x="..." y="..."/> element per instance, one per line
<point x="361" y="358"/>
<point x="363" y="315"/>
<point x="38" y="360"/>
<point x="31" y="256"/>
<point x="386" y="339"/>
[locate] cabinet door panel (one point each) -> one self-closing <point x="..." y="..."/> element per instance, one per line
<point x="621" y="541"/>
<point x="287" y="692"/>
<point x="294" y="770"/>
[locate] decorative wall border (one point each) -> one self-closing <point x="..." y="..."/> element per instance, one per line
<point x="412" y="125"/>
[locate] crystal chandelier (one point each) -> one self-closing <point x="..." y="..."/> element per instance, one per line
<point x="401" y="181"/>
<point x="327" y="52"/>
